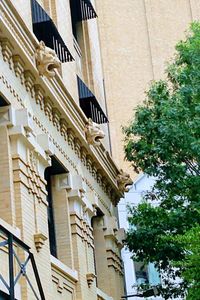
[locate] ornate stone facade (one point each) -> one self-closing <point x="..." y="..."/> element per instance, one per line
<point x="51" y="175"/>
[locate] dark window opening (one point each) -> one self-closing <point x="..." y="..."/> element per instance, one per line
<point x="3" y="102"/>
<point x="90" y="105"/>
<point x="81" y="10"/>
<point x="4" y="296"/>
<point x="46" y="31"/>
<point x="99" y="214"/>
<point x="55" y="169"/>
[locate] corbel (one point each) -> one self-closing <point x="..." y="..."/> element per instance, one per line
<point x="99" y="177"/>
<point x="56" y="118"/>
<point x="7" y="50"/>
<point x="90" y="278"/>
<point x="83" y="156"/>
<point x="19" y="65"/>
<point x="48" y="107"/>
<point x="94" y="170"/>
<point x="77" y="147"/>
<point x="70" y="137"/>
<point x="89" y="163"/>
<point x="63" y="128"/>
<point x="29" y="82"/>
<point x="39" y="239"/>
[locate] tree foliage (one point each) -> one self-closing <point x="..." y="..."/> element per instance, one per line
<point x="163" y="141"/>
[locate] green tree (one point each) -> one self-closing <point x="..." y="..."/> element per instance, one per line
<point x="163" y="141"/>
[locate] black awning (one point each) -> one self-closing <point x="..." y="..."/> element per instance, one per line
<point x="90" y="105"/>
<point x="45" y="30"/>
<point x="82" y="10"/>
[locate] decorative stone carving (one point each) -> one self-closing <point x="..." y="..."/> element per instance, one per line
<point x="93" y="133"/>
<point x="39" y="95"/>
<point x="123" y="181"/>
<point x="77" y="147"/>
<point x="7" y="49"/>
<point x="29" y="82"/>
<point x="39" y="240"/>
<point x="48" y="107"/>
<point x="19" y="67"/>
<point x="46" y="60"/>
<point x="63" y="128"/>
<point x="56" y="118"/>
<point x="90" y="278"/>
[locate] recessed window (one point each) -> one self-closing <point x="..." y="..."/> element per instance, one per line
<point x="55" y="169"/>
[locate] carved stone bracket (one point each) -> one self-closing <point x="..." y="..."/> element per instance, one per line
<point x="39" y="240"/>
<point x="124" y="181"/>
<point x="46" y="61"/>
<point x="90" y="278"/>
<point x="93" y="133"/>
<point x="7" y="50"/>
<point x="19" y="67"/>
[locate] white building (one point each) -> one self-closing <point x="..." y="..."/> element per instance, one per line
<point x="133" y="273"/>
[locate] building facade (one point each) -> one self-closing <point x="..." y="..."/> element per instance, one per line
<point x="59" y="186"/>
<point x="137" y="39"/>
<point x="135" y="272"/>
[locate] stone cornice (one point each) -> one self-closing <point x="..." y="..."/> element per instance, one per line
<point x="21" y="45"/>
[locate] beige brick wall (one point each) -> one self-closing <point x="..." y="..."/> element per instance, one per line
<point x="137" y="38"/>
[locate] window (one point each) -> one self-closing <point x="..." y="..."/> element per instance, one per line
<point x="55" y="169"/>
<point x="141" y="273"/>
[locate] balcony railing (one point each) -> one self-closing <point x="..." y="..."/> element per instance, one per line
<point x="10" y="242"/>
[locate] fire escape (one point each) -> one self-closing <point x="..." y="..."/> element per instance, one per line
<point x="10" y="244"/>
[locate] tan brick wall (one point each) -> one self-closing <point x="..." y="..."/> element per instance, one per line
<point x="137" y="38"/>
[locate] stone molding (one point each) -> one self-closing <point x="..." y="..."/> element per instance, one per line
<point x="81" y="228"/>
<point x="72" y="111"/>
<point x="114" y="261"/>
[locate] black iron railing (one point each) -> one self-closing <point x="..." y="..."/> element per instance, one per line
<point x="11" y="241"/>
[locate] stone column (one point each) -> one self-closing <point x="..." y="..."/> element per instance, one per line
<point x="107" y="256"/>
<point x="7" y="204"/>
<point x="29" y="162"/>
<point x="62" y="219"/>
<point x="82" y="240"/>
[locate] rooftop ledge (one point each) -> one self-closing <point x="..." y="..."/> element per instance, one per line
<point x="25" y="44"/>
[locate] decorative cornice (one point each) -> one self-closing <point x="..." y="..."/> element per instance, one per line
<point x="54" y="89"/>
